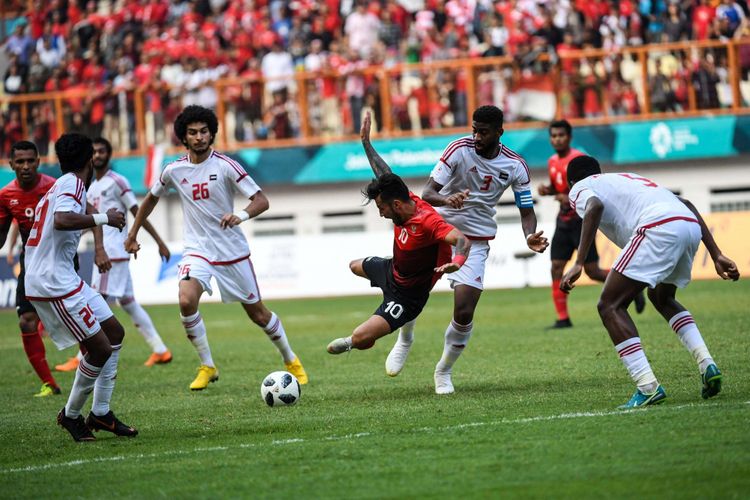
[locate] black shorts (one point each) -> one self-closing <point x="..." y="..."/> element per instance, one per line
<point x="566" y="239"/>
<point x="399" y="306"/>
<point x="23" y="305"/>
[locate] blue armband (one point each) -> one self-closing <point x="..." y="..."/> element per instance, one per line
<point x="524" y="199"/>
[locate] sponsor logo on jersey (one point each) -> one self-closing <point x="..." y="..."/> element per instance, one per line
<point x="13" y="202"/>
<point x="473" y="169"/>
<point x="184" y="181"/>
<point x="478" y="279"/>
<point x="503" y="175"/>
<point x="252" y="295"/>
<point x="212" y="177"/>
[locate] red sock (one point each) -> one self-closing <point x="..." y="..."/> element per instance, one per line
<point x="560" y="300"/>
<point x="34" y="347"/>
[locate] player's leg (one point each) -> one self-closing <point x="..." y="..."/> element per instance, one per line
<point x="274" y="329"/>
<point x="357" y="267"/>
<point x="618" y="292"/>
<point x="457" y="335"/>
<point x="396" y="359"/>
<point x="142" y="321"/>
<point x="561" y="250"/>
<point x="190" y="291"/>
<point x="71" y="364"/>
<point x="363" y="337"/>
<point x="33" y="345"/>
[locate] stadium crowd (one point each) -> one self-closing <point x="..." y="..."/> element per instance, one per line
<point x="175" y="50"/>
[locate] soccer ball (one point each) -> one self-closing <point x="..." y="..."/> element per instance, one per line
<point x="280" y="389"/>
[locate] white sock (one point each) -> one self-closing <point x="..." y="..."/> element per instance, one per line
<point x="196" y="333"/>
<point x="456" y="338"/>
<point x="143" y="323"/>
<point x="105" y="384"/>
<point x="86" y="376"/>
<point x="632" y="356"/>
<point x="684" y="326"/>
<point x="79" y="356"/>
<point x="406" y="333"/>
<point x="276" y="334"/>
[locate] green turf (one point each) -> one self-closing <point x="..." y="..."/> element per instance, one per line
<point x="534" y="413"/>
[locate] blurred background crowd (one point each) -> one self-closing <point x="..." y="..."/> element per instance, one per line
<point x="123" y="59"/>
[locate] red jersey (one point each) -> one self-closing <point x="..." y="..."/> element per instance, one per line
<point x="558" y="176"/>
<point x="419" y="247"/>
<point x="19" y="204"/>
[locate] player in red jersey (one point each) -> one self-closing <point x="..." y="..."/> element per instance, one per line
<point x="568" y="226"/>
<point x="18" y="199"/>
<point x="422" y="243"/>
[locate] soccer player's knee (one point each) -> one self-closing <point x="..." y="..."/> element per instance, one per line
<point x="606" y="308"/>
<point x="116" y="334"/>
<point x="187" y="305"/>
<point x="656" y="298"/>
<point x="463" y="315"/>
<point x="27" y="323"/>
<point x="355" y="266"/>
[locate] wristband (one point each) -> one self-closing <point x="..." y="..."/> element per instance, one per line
<point x="100" y="219"/>
<point x="242" y="215"/>
<point x="459" y="259"/>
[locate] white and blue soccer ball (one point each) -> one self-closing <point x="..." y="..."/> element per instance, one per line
<point x="280" y="389"/>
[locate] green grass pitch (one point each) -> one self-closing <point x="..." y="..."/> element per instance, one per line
<point x="534" y="414"/>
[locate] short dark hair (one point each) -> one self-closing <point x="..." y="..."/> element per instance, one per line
<point x="23" y="146"/>
<point x="488" y="114"/>
<point x="74" y="151"/>
<point x="195" y="114"/>
<point x="562" y="124"/>
<point x="389" y="187"/>
<point x="107" y="145"/>
<point x="582" y="167"/>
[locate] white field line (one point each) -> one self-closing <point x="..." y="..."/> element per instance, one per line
<point x="282" y="442"/>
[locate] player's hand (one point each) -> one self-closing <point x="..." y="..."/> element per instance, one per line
<point x="229" y="220"/>
<point x="115" y="218"/>
<point x="164" y="252"/>
<point x="101" y="259"/>
<point x="726" y="268"/>
<point x="544" y="190"/>
<point x="456" y="200"/>
<point x="450" y="267"/>
<point x="132" y="246"/>
<point x="364" y="131"/>
<point x="563" y="200"/>
<point x="537" y="242"/>
<point x="567" y="281"/>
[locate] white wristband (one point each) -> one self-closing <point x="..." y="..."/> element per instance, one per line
<point x="242" y="215"/>
<point x="100" y="219"/>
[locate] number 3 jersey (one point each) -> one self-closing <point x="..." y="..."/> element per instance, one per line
<point x="113" y="191"/>
<point x="207" y="192"/>
<point x="460" y="168"/>
<point x="50" y="251"/>
<point x="630" y="202"/>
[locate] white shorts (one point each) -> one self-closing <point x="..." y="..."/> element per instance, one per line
<point x="661" y="254"/>
<point x="237" y="282"/>
<point x="472" y="272"/>
<point x="116" y="282"/>
<point x="72" y="318"/>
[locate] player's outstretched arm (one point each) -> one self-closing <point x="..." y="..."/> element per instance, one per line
<point x="148" y="205"/>
<point x="591" y="219"/>
<point x="71" y="221"/>
<point x="258" y="204"/>
<point x="150" y="229"/>
<point x="378" y="164"/>
<point x="534" y="239"/>
<point x="463" y="245"/>
<point x="725" y="267"/>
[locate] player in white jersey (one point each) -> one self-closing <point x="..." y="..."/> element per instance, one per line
<point x="71" y="311"/>
<point x="214" y="245"/>
<point x="465" y="185"/>
<point x="659" y="234"/>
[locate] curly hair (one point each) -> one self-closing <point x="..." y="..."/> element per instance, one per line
<point x="389" y="187"/>
<point x="195" y="114"/>
<point x="74" y="151"/>
<point x="581" y="167"/>
<point x="491" y="115"/>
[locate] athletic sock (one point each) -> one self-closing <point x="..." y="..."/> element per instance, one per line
<point x="86" y="375"/>
<point x="560" y="299"/>
<point x="33" y="345"/>
<point x="196" y="333"/>
<point x="632" y="356"/>
<point x="105" y="384"/>
<point x="456" y="338"/>
<point x="684" y="326"/>
<point x="143" y="323"/>
<point x="406" y="332"/>
<point x="276" y="334"/>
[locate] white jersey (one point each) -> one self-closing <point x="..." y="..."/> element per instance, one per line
<point x="113" y="191"/>
<point x="630" y="202"/>
<point x="460" y="168"/>
<point x="207" y="191"/>
<point x="49" y="251"/>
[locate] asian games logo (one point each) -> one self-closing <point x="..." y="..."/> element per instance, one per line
<point x="661" y="139"/>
